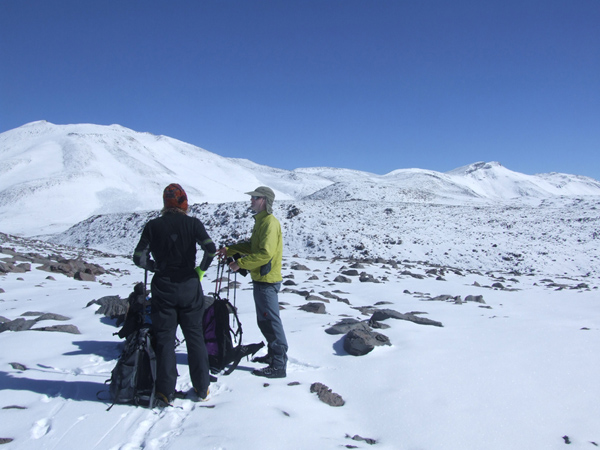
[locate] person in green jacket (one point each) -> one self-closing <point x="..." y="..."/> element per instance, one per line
<point x="262" y="257"/>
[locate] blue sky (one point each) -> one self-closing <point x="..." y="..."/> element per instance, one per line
<point x="374" y="85"/>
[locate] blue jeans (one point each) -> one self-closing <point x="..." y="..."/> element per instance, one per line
<point x="269" y="322"/>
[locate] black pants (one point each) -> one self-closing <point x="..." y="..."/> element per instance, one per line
<point x="178" y="304"/>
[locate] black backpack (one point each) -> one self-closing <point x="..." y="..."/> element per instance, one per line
<point x="138" y="311"/>
<point x="132" y="379"/>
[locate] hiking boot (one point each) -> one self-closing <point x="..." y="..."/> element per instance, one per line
<point x="270" y="372"/>
<point x="265" y="359"/>
<point x="180" y="394"/>
<point x="196" y="397"/>
<point x="162" y="401"/>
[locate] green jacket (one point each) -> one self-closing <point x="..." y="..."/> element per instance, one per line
<point x="262" y="255"/>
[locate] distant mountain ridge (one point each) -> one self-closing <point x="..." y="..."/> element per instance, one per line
<point x="54" y="176"/>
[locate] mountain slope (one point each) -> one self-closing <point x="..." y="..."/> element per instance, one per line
<point x="553" y="237"/>
<point x="54" y="176"/>
<point x="64" y="174"/>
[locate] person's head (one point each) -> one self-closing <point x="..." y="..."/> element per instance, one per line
<point x="261" y="199"/>
<point x="175" y="198"/>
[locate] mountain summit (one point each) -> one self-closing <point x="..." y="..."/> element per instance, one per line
<point x="54" y="176"/>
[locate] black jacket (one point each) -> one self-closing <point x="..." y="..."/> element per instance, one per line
<point x="171" y="239"/>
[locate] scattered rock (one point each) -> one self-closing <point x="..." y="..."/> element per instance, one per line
<point x="326" y="395"/>
<point x="356" y="437"/>
<point x="316" y="298"/>
<point x="350" y="273"/>
<point x="19" y="324"/>
<point x="84" y="276"/>
<point x="74" y="268"/>
<point x="18" y="366"/>
<point x="111" y="306"/>
<point x="31" y="313"/>
<point x="342" y="279"/>
<point x="328" y="294"/>
<point x="45" y="316"/>
<point x="296" y="266"/>
<point x="414" y="275"/>
<point x="5" y="440"/>
<point x="72" y="329"/>
<point x="316" y="308"/>
<point x="367" y="278"/>
<point x="475" y="298"/>
<point x="365" y="310"/>
<point x="296" y="291"/>
<point x="383" y="314"/>
<point x="378" y="325"/>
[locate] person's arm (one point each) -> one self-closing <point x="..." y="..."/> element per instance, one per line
<point x="207" y="245"/>
<point x="141" y="255"/>
<point x="265" y="247"/>
<point x="243" y="248"/>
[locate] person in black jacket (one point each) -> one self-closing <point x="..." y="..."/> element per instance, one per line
<point x="177" y="297"/>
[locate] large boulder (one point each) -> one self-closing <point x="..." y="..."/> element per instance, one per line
<point x="360" y="342"/>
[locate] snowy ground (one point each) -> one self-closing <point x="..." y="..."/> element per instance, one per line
<point x="518" y="372"/>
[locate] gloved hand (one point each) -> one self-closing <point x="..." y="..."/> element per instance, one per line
<point x="200" y="272"/>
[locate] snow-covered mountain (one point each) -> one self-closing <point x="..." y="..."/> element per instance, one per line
<point x="507" y="263"/>
<point x="54" y="176"/>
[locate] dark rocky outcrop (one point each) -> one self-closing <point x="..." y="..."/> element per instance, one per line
<point x="20" y="262"/>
